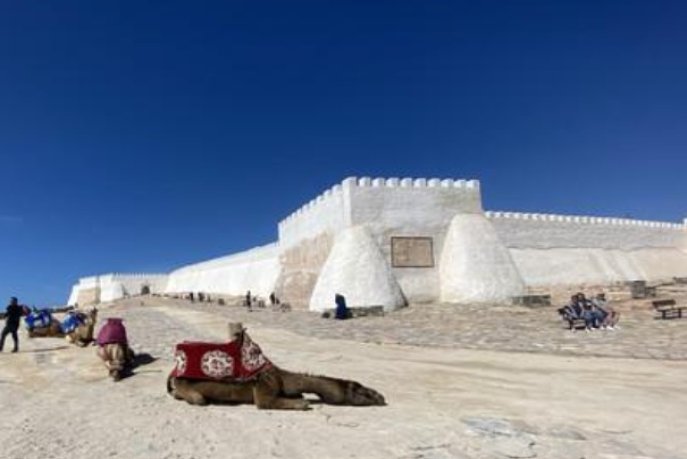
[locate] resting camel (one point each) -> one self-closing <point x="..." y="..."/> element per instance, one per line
<point x="81" y="335"/>
<point x="114" y="350"/>
<point x="268" y="388"/>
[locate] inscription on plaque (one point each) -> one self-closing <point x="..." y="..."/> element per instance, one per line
<point x="412" y="252"/>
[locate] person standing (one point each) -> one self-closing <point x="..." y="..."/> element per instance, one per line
<point x="12" y="319"/>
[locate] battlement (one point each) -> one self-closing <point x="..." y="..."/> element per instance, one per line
<point x="346" y="203"/>
<point x="585" y="220"/>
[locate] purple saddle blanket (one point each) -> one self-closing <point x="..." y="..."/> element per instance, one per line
<point x="113" y="332"/>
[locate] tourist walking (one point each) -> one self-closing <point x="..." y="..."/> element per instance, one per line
<point x="249" y="301"/>
<point x="12" y="320"/>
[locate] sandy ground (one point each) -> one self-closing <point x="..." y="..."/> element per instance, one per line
<point x="443" y="401"/>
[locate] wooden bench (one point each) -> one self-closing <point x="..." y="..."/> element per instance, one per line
<point x="668" y="309"/>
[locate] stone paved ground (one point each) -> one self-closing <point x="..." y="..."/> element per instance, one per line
<point x="516" y="329"/>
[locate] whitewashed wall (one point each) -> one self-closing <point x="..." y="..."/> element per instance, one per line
<point x="325" y="213"/>
<point x="557" y="249"/>
<point x="115" y="285"/>
<point x="411" y="207"/>
<point x="256" y="270"/>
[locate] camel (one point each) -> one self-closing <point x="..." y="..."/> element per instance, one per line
<point x="113" y="348"/>
<point x="81" y="335"/>
<point x="271" y="388"/>
<point x="118" y="359"/>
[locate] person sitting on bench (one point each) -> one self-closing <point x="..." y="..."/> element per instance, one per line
<point x="572" y="310"/>
<point x="609" y="317"/>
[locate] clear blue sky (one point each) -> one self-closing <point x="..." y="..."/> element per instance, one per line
<point x="141" y="136"/>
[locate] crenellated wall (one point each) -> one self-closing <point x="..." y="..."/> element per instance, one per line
<point x="544" y="249"/>
<point x="388" y="207"/>
<point x="416" y="207"/>
<point x="109" y="287"/>
<point x="562" y="249"/>
<point x="324" y="214"/>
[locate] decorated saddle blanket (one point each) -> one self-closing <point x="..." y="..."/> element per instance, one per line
<point x="238" y="360"/>
<point x="113" y="332"/>
<point x="72" y="321"/>
<point x="38" y="319"/>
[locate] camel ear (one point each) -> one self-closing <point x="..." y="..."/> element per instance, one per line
<point x="235" y="330"/>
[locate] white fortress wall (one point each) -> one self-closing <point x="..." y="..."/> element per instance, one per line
<point x="413" y="207"/>
<point x="323" y="214"/>
<point x="256" y="270"/>
<point x="110" y="287"/>
<point x="556" y="249"/>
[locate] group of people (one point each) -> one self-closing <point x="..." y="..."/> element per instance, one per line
<point x="595" y="312"/>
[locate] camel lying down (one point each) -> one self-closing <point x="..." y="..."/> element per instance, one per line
<point x="118" y="359"/>
<point x="77" y="328"/>
<point x="113" y="348"/>
<point x="260" y="382"/>
<point x="275" y="389"/>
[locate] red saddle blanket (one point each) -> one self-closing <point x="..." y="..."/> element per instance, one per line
<point x="113" y="332"/>
<point x="238" y="360"/>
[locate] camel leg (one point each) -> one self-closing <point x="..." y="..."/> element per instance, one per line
<point x="266" y="395"/>
<point x="183" y="390"/>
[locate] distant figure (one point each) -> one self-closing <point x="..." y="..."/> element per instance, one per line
<point x="273" y="299"/>
<point x="201" y="297"/>
<point x="249" y="301"/>
<point x="608" y="316"/>
<point x="12" y="320"/>
<point x="341" y="312"/>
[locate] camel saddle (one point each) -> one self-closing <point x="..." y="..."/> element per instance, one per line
<point x="72" y="321"/>
<point x="113" y="332"/>
<point x="38" y="319"/>
<point x="238" y="360"/>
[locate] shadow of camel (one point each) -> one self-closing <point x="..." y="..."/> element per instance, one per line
<point x="139" y="360"/>
<point x="45" y="349"/>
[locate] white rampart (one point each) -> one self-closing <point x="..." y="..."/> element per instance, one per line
<point x="545" y="249"/>
<point x="112" y="286"/>
<point x="400" y="202"/>
<point x="357" y="269"/>
<point x="256" y="270"/>
<point x="563" y="249"/>
<point x="323" y="214"/>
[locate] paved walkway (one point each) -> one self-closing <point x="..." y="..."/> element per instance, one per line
<point x="516" y="329"/>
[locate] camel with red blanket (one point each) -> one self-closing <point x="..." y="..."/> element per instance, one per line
<point x="238" y="372"/>
<point x="113" y="348"/>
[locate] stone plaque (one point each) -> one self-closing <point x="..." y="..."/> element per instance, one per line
<point x="412" y="252"/>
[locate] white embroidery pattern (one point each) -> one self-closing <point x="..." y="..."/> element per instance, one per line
<point x="180" y="361"/>
<point x="217" y="364"/>
<point x="251" y="355"/>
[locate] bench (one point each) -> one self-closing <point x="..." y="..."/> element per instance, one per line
<point x="639" y="290"/>
<point x="357" y="312"/>
<point x="573" y="323"/>
<point x="532" y="301"/>
<point x="668" y="309"/>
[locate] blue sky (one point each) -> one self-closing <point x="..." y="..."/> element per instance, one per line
<point x="139" y="136"/>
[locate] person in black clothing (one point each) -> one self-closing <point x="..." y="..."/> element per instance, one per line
<point x="12" y="319"/>
<point x="341" y="312"/>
